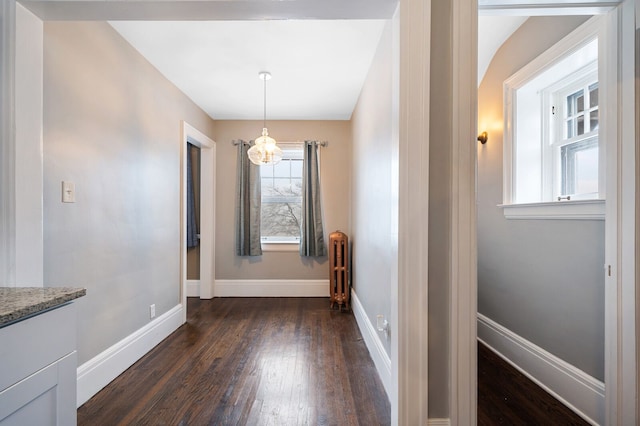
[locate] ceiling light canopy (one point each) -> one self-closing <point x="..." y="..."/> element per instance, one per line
<point x="265" y="150"/>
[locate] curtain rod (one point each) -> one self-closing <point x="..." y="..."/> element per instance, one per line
<point x="237" y="142"/>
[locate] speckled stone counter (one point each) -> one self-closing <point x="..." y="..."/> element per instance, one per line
<point x="17" y="303"/>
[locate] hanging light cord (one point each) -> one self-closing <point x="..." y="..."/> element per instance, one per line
<point x="264" y="119"/>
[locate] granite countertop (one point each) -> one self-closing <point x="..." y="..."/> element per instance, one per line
<point x="17" y="303"/>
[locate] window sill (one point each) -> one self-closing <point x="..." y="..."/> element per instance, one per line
<point x="567" y="210"/>
<point x="280" y="246"/>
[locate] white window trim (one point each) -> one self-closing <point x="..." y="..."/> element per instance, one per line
<point x="578" y="209"/>
<point x="280" y="246"/>
<point x="563" y="210"/>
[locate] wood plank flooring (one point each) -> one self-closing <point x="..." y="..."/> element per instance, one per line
<point x="273" y="361"/>
<point x="286" y="361"/>
<point x="507" y="397"/>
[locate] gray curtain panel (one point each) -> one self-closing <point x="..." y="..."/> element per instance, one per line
<point x="311" y="235"/>
<point x="192" y="228"/>
<point x="247" y="204"/>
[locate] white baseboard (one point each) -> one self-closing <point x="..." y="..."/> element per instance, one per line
<point x="99" y="371"/>
<point x="374" y="344"/>
<point x="271" y="288"/>
<point x="439" y="422"/>
<point x="193" y="288"/>
<point x="573" y="387"/>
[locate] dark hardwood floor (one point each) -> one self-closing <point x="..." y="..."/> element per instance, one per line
<point x="507" y="397"/>
<point x="289" y="361"/>
<point x="286" y="361"/>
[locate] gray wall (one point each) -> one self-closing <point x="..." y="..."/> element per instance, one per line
<point x="112" y="126"/>
<point x="334" y="176"/>
<point x="541" y="279"/>
<point x="373" y="200"/>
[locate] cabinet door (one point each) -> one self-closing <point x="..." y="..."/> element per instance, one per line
<point x="46" y="397"/>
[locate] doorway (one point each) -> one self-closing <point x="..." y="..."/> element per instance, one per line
<point x="603" y="408"/>
<point x="204" y="286"/>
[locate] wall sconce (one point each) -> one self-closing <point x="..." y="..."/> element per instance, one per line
<point x="483" y="137"/>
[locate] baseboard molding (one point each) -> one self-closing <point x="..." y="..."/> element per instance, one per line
<point x="439" y="422"/>
<point x="374" y="344"/>
<point x="99" y="371"/>
<point x="271" y="288"/>
<point x="193" y="288"/>
<point x="573" y="387"/>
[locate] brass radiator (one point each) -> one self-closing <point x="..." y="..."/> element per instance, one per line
<point x="339" y="269"/>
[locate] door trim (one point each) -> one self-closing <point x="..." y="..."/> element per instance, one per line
<point x="207" y="212"/>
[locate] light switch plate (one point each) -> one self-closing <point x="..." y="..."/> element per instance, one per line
<point x="68" y="192"/>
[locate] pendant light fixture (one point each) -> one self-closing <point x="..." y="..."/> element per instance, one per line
<point x="265" y="150"/>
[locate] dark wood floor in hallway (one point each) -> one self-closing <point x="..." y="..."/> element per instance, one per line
<point x="286" y="361"/>
<point x="507" y="397"/>
<point x="289" y="361"/>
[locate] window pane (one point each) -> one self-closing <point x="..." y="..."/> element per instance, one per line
<point x="587" y="171"/>
<point x="580" y="102"/>
<point x="593" y="95"/>
<point x="580" y="125"/>
<point x="296" y="186"/>
<point x="593" y="120"/>
<point x="267" y="186"/>
<point x="281" y="219"/>
<point x="282" y="186"/>
<point x="266" y="170"/>
<point x="580" y="167"/>
<point x="282" y="169"/>
<point x="296" y="167"/>
<point x="575" y="103"/>
<point x="570" y="109"/>
<point x="570" y="129"/>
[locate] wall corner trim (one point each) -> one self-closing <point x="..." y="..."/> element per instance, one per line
<point x="573" y="387"/>
<point x="372" y="340"/>
<point x="271" y="288"/>
<point x="99" y="371"/>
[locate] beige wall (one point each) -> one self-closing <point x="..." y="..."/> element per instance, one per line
<point x="112" y="126"/>
<point x="334" y="168"/>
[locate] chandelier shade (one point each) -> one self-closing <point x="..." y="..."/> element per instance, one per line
<point x="265" y="150"/>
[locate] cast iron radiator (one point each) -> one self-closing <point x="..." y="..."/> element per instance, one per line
<point x="339" y="269"/>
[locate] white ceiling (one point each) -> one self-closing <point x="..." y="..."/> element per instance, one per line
<point x="318" y="66"/>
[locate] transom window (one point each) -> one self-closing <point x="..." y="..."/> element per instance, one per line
<point x="281" y="212"/>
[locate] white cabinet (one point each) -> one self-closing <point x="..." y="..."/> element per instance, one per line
<point x="38" y="365"/>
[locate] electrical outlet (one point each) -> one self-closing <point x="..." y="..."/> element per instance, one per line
<point x="152" y="310"/>
<point x="382" y="325"/>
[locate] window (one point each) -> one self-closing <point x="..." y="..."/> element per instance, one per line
<point x="572" y="145"/>
<point x="281" y="212"/>
<point x="552" y="151"/>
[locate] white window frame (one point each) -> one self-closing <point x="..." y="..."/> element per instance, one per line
<point x="554" y="127"/>
<point x="550" y="208"/>
<point x="272" y="243"/>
